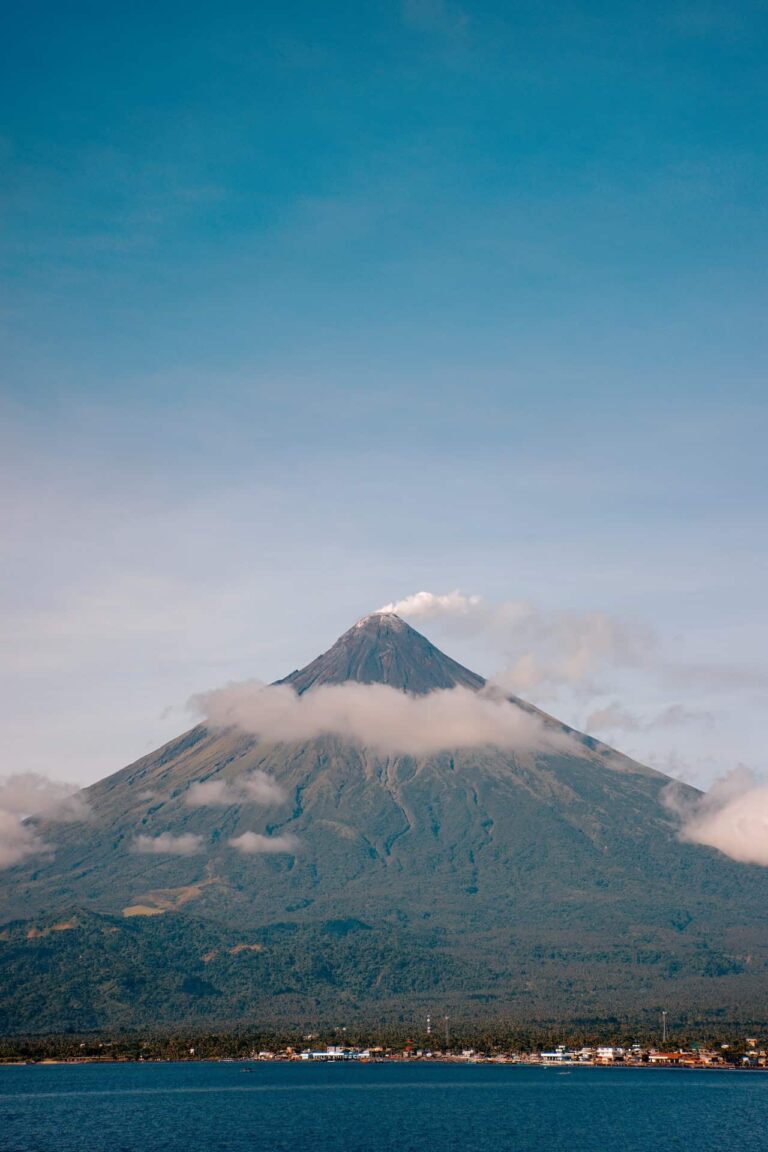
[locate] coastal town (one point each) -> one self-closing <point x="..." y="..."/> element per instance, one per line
<point x="754" y="1055"/>
<point x="747" y="1053"/>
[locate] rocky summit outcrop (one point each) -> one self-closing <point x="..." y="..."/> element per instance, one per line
<point x="316" y="875"/>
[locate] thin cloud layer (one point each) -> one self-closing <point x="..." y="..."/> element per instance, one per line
<point x="547" y="649"/>
<point x="257" y="788"/>
<point x="168" y="845"/>
<point x="255" y="843"/>
<point x="732" y="816"/>
<point x="378" y="717"/>
<point x="552" y="649"/>
<point x="614" y="717"/>
<point x="29" y="794"/>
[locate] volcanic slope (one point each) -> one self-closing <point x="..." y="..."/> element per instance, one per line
<point x="530" y="882"/>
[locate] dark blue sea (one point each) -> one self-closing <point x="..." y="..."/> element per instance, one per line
<point x="381" y="1107"/>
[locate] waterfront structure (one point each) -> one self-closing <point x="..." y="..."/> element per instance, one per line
<point x="335" y="1052"/>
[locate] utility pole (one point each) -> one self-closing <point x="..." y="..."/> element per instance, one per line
<point x="447" y="1041"/>
<point x="664" y="1026"/>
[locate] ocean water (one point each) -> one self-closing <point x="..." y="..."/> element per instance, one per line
<point x="381" y="1107"/>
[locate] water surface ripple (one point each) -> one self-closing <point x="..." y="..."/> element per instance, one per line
<point x="381" y="1107"/>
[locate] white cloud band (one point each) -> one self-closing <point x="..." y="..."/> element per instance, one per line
<point x="378" y="717"/>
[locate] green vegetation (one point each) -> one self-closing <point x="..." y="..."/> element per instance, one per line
<point x="243" y="1043"/>
<point x="104" y="972"/>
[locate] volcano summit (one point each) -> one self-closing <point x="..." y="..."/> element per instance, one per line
<point x="383" y="649"/>
<point x="293" y="870"/>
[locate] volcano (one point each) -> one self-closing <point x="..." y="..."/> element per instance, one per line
<point x="224" y="878"/>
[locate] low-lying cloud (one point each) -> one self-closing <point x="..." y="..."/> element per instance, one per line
<point x="31" y="794"/>
<point x="257" y="788"/>
<point x="27" y="795"/>
<point x="732" y="816"/>
<point x="377" y="717"/>
<point x="19" y="840"/>
<point x="168" y="845"/>
<point x="255" y="843"/>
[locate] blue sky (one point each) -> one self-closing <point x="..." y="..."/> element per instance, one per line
<point x="306" y="308"/>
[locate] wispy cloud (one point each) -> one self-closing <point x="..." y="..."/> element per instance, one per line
<point x="27" y="795"/>
<point x="616" y="718"/>
<point x="19" y="840"/>
<point x="547" y="649"/>
<point x="168" y="845"/>
<point x="376" y="716"/>
<point x="258" y="788"/>
<point x="255" y="843"/>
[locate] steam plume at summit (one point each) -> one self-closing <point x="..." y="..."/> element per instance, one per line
<point x="422" y="605"/>
<point x="547" y="648"/>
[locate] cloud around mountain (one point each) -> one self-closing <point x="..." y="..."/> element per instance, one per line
<point x="255" y="843"/>
<point x="378" y="717"/>
<point x="732" y="816"/>
<point x="168" y="845"/>
<point x="257" y="787"/>
<point x="26" y="795"/>
<point x="191" y="844"/>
